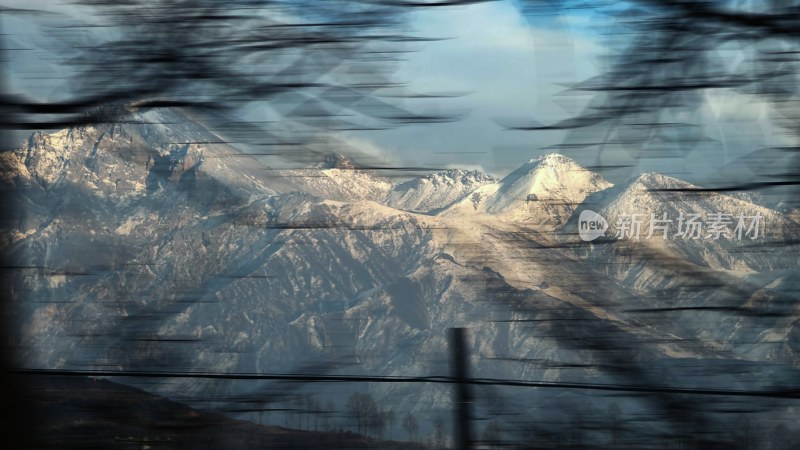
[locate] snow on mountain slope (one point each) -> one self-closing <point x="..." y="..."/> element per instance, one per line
<point x="144" y="175"/>
<point x="144" y="151"/>
<point x="543" y="191"/>
<point x="337" y="177"/>
<point x="92" y="196"/>
<point x="556" y="182"/>
<point x="273" y="283"/>
<point x="217" y="264"/>
<point x="704" y="273"/>
<point x="433" y="192"/>
<point x="689" y="225"/>
<point x="471" y="204"/>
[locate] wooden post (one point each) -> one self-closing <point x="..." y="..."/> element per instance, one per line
<point x="462" y="425"/>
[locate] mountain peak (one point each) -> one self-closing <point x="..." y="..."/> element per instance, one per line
<point x="150" y="149"/>
<point x="437" y="190"/>
<point x="549" y="179"/>
<point x="553" y="159"/>
<point x="335" y="160"/>
<point x="460" y="175"/>
<point x="655" y="180"/>
<point x="552" y="172"/>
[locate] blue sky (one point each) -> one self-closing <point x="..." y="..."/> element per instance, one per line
<point x="504" y="64"/>
<point x="517" y="67"/>
<point x="508" y="67"/>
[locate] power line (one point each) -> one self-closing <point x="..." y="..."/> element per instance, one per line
<point x="784" y="393"/>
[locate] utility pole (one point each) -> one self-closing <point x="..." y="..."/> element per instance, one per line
<point x="462" y="426"/>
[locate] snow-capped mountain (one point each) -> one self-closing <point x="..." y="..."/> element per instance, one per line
<point x="122" y="161"/>
<point x="666" y="219"/>
<point x="147" y="244"/>
<point x="431" y="193"/>
<point x="336" y="177"/>
<point x="700" y="253"/>
<point x="543" y="191"/>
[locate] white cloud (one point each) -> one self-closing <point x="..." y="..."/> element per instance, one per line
<point x="361" y="148"/>
<point x="509" y="68"/>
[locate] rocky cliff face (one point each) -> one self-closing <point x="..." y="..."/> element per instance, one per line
<point x="432" y="193"/>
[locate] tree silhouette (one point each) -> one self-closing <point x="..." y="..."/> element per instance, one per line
<point x="377" y="422"/>
<point x="363" y="407"/>
<point x="389" y="418"/>
<point x="411" y="426"/>
<point x="665" y="56"/>
<point x="317" y="64"/>
<point x="439" y="433"/>
<point x="328" y="411"/>
<point x="615" y="424"/>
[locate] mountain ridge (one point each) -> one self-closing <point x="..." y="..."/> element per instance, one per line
<point x="279" y="270"/>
